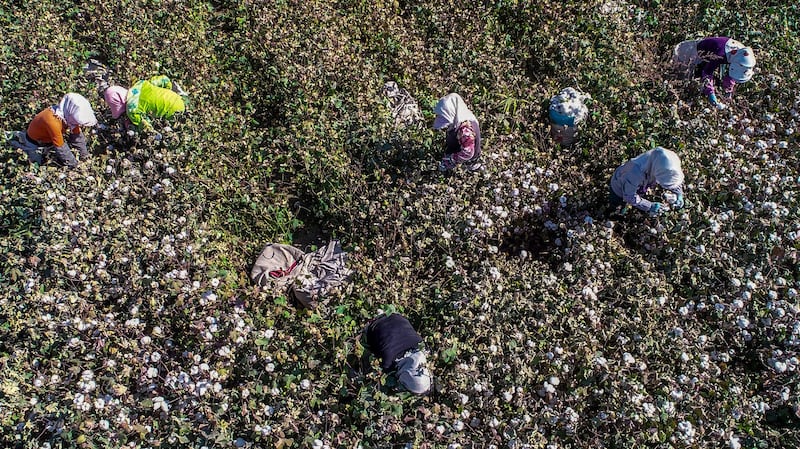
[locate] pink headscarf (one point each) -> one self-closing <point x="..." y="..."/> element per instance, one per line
<point x="115" y="97"/>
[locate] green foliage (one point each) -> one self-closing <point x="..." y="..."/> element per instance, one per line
<point x="126" y="314"/>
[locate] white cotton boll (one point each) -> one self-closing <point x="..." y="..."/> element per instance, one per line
<point x="742" y="322"/>
<point x="772" y="294"/>
<point x="746" y="295"/>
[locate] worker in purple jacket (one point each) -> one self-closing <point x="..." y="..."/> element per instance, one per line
<point x="394" y="341"/>
<point x="712" y="52"/>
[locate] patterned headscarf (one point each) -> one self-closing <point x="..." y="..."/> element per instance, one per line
<point x="115" y="97"/>
<point x="450" y="111"/>
<point x="75" y="110"/>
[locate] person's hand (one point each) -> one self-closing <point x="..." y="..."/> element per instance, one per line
<point x="655" y="209"/>
<point x="712" y="98"/>
<point x="446" y="164"/>
<point x="679" y="203"/>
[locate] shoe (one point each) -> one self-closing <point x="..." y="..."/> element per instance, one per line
<point x="95" y="68"/>
<point x="473" y="166"/>
<point x="178" y="89"/>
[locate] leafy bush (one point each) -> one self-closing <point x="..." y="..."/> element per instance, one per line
<point x="126" y="315"/>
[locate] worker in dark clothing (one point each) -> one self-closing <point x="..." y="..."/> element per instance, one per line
<point x="394" y="341"/>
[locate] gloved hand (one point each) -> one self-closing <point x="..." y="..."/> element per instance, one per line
<point x="679" y="203"/>
<point x="713" y="99"/>
<point x="655" y="209"/>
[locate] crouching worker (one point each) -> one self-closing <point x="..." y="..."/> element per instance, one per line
<point x="45" y="134"/>
<point x="393" y="340"/>
<point x="463" y="138"/>
<point x="712" y="52"/>
<point x="146" y="99"/>
<point x="634" y="178"/>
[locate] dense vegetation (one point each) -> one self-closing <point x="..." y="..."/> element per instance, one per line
<point x="127" y="318"/>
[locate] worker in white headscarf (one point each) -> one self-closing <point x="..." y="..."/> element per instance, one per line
<point x="463" y="139"/>
<point x="712" y="52"/>
<point x="634" y="178"/>
<point x="47" y="130"/>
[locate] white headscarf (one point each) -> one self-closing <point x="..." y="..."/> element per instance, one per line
<point x="451" y="110"/>
<point x="75" y="110"/>
<point x="412" y="373"/>
<point x="665" y="168"/>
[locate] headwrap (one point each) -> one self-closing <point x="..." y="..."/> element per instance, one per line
<point x="742" y="62"/>
<point x="115" y="97"/>
<point x="413" y="374"/>
<point x="75" y="110"/>
<point x="450" y="111"/>
<point x="665" y="167"/>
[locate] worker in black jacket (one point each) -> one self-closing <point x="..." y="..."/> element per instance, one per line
<point x="394" y="341"/>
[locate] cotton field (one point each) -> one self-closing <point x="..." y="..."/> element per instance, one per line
<point x="128" y="320"/>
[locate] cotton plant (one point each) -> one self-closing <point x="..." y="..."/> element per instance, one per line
<point x="151" y="334"/>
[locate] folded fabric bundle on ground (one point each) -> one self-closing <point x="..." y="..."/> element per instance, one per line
<point x="307" y="277"/>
